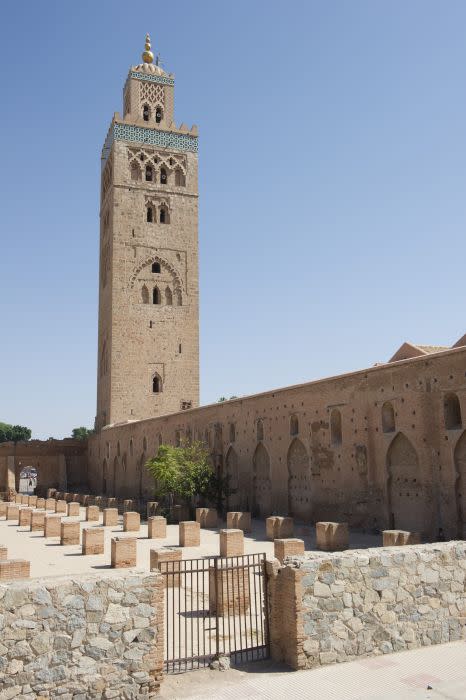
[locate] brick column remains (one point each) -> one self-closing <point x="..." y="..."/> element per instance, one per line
<point x="123" y="552"/>
<point x="52" y="526"/>
<point x="189" y="533"/>
<point x="156" y="527"/>
<point x="93" y="540"/>
<point x="110" y="517"/>
<point x="131" y="521"/>
<point x="231" y="543"/>
<point x="332" y="537"/>
<point x="70" y="533"/>
<point x="289" y="547"/>
<point x="167" y="561"/>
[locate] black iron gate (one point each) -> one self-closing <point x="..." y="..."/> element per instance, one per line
<point x="214" y="606"/>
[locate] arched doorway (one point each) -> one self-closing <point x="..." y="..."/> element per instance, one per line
<point x="262" y="485"/>
<point x="27" y="478"/>
<point x="406" y="491"/>
<point x="299" y="481"/>
<point x="460" y="486"/>
<point x="231" y="471"/>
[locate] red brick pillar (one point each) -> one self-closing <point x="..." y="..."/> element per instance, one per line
<point x="287" y="548"/>
<point x="190" y="533"/>
<point x="169" y="562"/>
<point x="70" y="533"/>
<point x="231" y="543"/>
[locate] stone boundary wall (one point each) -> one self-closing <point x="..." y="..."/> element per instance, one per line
<point x="333" y="607"/>
<point x="98" y="636"/>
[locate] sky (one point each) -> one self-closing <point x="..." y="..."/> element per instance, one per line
<point x="332" y="186"/>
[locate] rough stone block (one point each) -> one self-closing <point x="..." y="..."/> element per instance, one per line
<point x="37" y="520"/>
<point x="92" y="513"/>
<point x="239" y="520"/>
<point x="32" y="501"/>
<point x="167" y="561"/>
<point x="157" y="527"/>
<point x="152" y="508"/>
<point x="278" y="527"/>
<point x="131" y="521"/>
<point x="207" y="517"/>
<point x="228" y="589"/>
<point x="110" y="516"/>
<point x="123" y="552"/>
<point x="52" y="526"/>
<point x="50" y="504"/>
<point x="93" y="540"/>
<point x="73" y="509"/>
<point x="12" y="512"/>
<point x="289" y="547"/>
<point x="112" y="502"/>
<point x="128" y="505"/>
<point x="189" y="533"/>
<point x="24" y="519"/>
<point x="332" y="537"/>
<point x="60" y="506"/>
<point x="231" y="543"/>
<point x="70" y="533"/>
<point x="40" y="503"/>
<point x="14" y="568"/>
<point x="400" y="538"/>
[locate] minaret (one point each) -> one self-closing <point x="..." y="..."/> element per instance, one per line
<point x="148" y="362"/>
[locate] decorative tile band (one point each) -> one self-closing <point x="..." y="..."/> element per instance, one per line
<point x="161" y="79"/>
<point x="154" y="137"/>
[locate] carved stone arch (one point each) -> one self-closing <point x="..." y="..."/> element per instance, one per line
<point x="262" y="483"/>
<point x="299" y="481"/>
<point x="460" y="485"/>
<point x="163" y="264"/>
<point x="135" y="169"/>
<point x="407" y="507"/>
<point x="232" y="474"/>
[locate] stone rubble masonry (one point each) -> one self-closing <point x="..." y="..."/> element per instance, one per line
<point x="332" y="537"/>
<point x="92" y="513"/>
<point x="123" y="552"/>
<point x="231" y="543"/>
<point x="40" y="503"/>
<point x="3" y="509"/>
<point x="83" y="637"/>
<point x="12" y="569"/>
<point x="61" y="506"/>
<point x="400" y="538"/>
<point x="278" y="527"/>
<point x="70" y="533"/>
<point x="110" y="516"/>
<point x="12" y="512"/>
<point x="93" y="540"/>
<point x="3" y="552"/>
<point x="52" y="526"/>
<point x="189" y="533"/>
<point x="239" y="520"/>
<point x="32" y="501"/>
<point x="169" y="562"/>
<point x="151" y="508"/>
<point x="228" y="589"/>
<point x="73" y="509"/>
<point x="156" y="527"/>
<point x="131" y="521"/>
<point x="24" y="519"/>
<point x="50" y="504"/>
<point x="37" y="520"/>
<point x="290" y="547"/>
<point x="334" y="607"/>
<point x="207" y="517"/>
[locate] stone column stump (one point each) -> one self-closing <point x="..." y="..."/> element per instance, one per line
<point x="50" y="504"/>
<point x="289" y="547"/>
<point x="169" y="562"/>
<point x="73" y="509"/>
<point x="37" y="520"/>
<point x="24" y="500"/>
<point x="278" y="527"/>
<point x="3" y="509"/>
<point x="92" y="514"/>
<point x="3" y="552"/>
<point x="152" y="508"/>
<point x="231" y="543"/>
<point x="239" y="520"/>
<point x="131" y="521"/>
<point x="189" y="533"/>
<point x="18" y="498"/>
<point x="156" y="527"/>
<point x="32" y="501"/>
<point x="93" y="540"/>
<point x="40" y="503"/>
<point x="61" y="506"/>
<point x="228" y="589"/>
<point x="207" y="517"/>
<point x="14" y="568"/>
<point x="123" y="552"/>
<point x="110" y="517"/>
<point x="24" y="519"/>
<point x="400" y="538"/>
<point x="70" y="533"/>
<point x="332" y="537"/>
<point x="52" y="526"/>
<point x="12" y="512"/>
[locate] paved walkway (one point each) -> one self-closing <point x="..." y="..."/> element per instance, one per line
<point x="402" y="676"/>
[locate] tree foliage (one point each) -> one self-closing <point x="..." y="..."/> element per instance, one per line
<point x="14" y="433"/>
<point x="81" y="433"/>
<point x="184" y="472"/>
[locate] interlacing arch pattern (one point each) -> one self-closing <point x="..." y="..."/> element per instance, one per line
<point x="159" y="206"/>
<point x="172" y="292"/>
<point x="144" y="160"/>
<point x="152" y="93"/>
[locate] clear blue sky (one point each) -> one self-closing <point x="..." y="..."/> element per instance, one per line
<point x="332" y="185"/>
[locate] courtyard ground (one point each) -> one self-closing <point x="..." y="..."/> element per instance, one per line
<point x="405" y="675"/>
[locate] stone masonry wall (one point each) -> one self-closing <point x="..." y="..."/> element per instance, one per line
<point x="83" y="637"/>
<point x="367" y="602"/>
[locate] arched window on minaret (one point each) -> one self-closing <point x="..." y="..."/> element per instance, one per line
<point x="135" y="171"/>
<point x="150" y="215"/>
<point x="163" y="216"/>
<point x="145" y="295"/>
<point x="156" y="267"/>
<point x="146" y="113"/>
<point x="180" y="179"/>
<point x="156" y="384"/>
<point x="158" y="115"/>
<point x="149" y="173"/>
<point x="168" y="296"/>
<point x="163" y="176"/>
<point x="156" y="296"/>
<point x="178" y="297"/>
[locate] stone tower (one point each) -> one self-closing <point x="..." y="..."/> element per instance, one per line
<point x="148" y="361"/>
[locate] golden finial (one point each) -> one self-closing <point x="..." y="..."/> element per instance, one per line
<point x="147" y="56"/>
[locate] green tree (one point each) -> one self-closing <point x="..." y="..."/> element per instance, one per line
<point x="81" y="433"/>
<point x="14" y="433"/>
